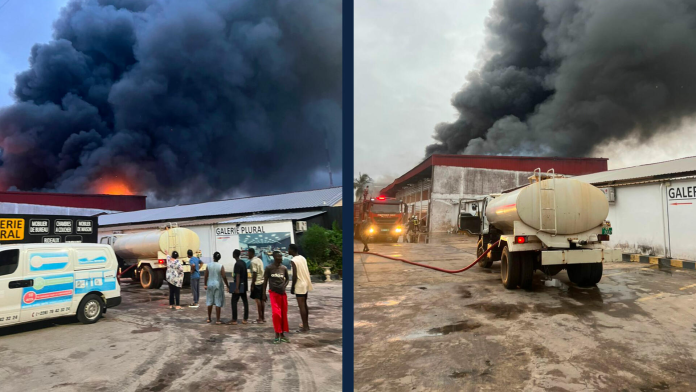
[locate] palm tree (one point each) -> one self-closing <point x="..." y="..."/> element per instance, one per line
<point x="359" y="184"/>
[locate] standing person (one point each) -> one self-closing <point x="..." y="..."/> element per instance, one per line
<point x="213" y="283"/>
<point x="257" y="285"/>
<point x="195" y="263"/>
<point x="241" y="279"/>
<point x="275" y="277"/>
<point x="301" y="285"/>
<point x="175" y="278"/>
<point x="364" y="227"/>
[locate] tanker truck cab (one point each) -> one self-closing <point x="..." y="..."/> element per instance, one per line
<point x="44" y="281"/>
<point x="550" y="225"/>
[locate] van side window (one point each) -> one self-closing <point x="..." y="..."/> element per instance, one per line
<point x="9" y="260"/>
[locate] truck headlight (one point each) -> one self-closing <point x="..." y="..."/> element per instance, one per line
<point x="398" y="229"/>
<point x="371" y="230"/>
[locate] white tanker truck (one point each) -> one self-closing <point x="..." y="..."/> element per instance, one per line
<point x="550" y="225"/>
<point x="141" y="256"/>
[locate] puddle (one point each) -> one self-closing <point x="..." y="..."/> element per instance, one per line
<point x="462" y="290"/>
<point x="463" y="326"/>
<point x="500" y="311"/>
<point x="146" y="330"/>
<point x="459" y="327"/>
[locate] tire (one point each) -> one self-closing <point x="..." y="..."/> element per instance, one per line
<point x="159" y="275"/>
<point x="91" y="309"/>
<point x="510" y="272"/>
<point x="486" y="262"/>
<point x="527" y="270"/>
<point x="148" y="278"/>
<point x="585" y="275"/>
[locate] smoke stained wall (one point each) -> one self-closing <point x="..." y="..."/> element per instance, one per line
<point x="182" y="100"/>
<point x="563" y="78"/>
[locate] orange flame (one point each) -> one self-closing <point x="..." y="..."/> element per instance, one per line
<point x="114" y="187"/>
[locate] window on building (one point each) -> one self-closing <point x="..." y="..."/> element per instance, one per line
<point x="9" y="260"/>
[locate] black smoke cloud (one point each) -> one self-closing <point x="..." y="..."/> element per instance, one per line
<point x="564" y="77"/>
<point x="180" y="100"/>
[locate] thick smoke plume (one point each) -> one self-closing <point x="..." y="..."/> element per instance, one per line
<point x="563" y="77"/>
<point x="182" y="100"/>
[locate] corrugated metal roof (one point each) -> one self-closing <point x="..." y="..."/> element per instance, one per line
<point x="158" y="225"/>
<point x="286" y="201"/>
<point x="669" y="169"/>
<point x="34" y="209"/>
<point x="275" y="217"/>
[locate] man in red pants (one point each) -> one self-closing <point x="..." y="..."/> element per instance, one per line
<point x="275" y="277"/>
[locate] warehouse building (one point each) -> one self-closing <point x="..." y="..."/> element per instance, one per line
<point x="82" y="201"/>
<point x="652" y="208"/>
<point x="58" y="217"/>
<point x="438" y="187"/>
<point x="267" y="222"/>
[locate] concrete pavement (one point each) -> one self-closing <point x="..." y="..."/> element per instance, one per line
<point x="417" y="329"/>
<point x="142" y="345"/>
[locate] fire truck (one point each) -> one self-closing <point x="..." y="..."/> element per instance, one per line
<point x="384" y="217"/>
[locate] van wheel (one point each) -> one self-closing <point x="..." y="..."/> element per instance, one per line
<point x="90" y="309"/>
<point x="510" y="271"/>
<point x="148" y="279"/>
<point x="486" y="262"/>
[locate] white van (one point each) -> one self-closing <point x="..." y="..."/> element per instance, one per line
<point x="42" y="281"/>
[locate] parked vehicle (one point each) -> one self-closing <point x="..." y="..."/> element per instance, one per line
<point x="384" y="217"/>
<point x="142" y="256"/>
<point x="43" y="281"/>
<point x="551" y="224"/>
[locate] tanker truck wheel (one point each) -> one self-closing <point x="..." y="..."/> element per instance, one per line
<point x="510" y="271"/>
<point x="486" y="262"/>
<point x="148" y="279"/>
<point x="527" y="270"/>
<point x="585" y="275"/>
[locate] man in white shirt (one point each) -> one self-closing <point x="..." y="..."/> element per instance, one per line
<point x="257" y="293"/>
<point x="301" y="285"/>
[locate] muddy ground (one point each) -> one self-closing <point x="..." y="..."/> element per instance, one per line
<point x="142" y="345"/>
<point x="417" y="329"/>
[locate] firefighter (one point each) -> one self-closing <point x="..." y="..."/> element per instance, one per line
<point x="364" y="227"/>
<point x="412" y="232"/>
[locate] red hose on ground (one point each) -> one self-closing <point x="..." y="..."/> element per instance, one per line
<point x="430" y="266"/>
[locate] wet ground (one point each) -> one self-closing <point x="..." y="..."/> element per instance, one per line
<point x="417" y="329"/>
<point x="142" y="345"/>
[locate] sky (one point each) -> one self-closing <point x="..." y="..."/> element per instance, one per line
<point x="26" y="22"/>
<point x="140" y="96"/>
<point x="411" y="57"/>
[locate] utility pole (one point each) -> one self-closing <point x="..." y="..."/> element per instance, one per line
<point x="328" y="156"/>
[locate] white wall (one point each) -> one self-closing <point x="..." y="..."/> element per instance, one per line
<point x="637" y="219"/>
<point x="655" y="221"/>
<point x="681" y="212"/>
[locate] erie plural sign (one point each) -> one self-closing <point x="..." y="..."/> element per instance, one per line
<point x="11" y="229"/>
<point x="47" y="229"/>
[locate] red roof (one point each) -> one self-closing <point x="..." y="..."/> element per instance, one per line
<point x="568" y="166"/>
<point x="102" y="202"/>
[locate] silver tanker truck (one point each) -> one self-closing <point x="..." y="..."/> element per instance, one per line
<point x="141" y="256"/>
<point x="552" y="224"/>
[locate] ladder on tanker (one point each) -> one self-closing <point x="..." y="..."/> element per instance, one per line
<point x="547" y="202"/>
<point x="172" y="243"/>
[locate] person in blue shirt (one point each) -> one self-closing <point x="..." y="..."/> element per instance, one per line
<point x="195" y="263"/>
